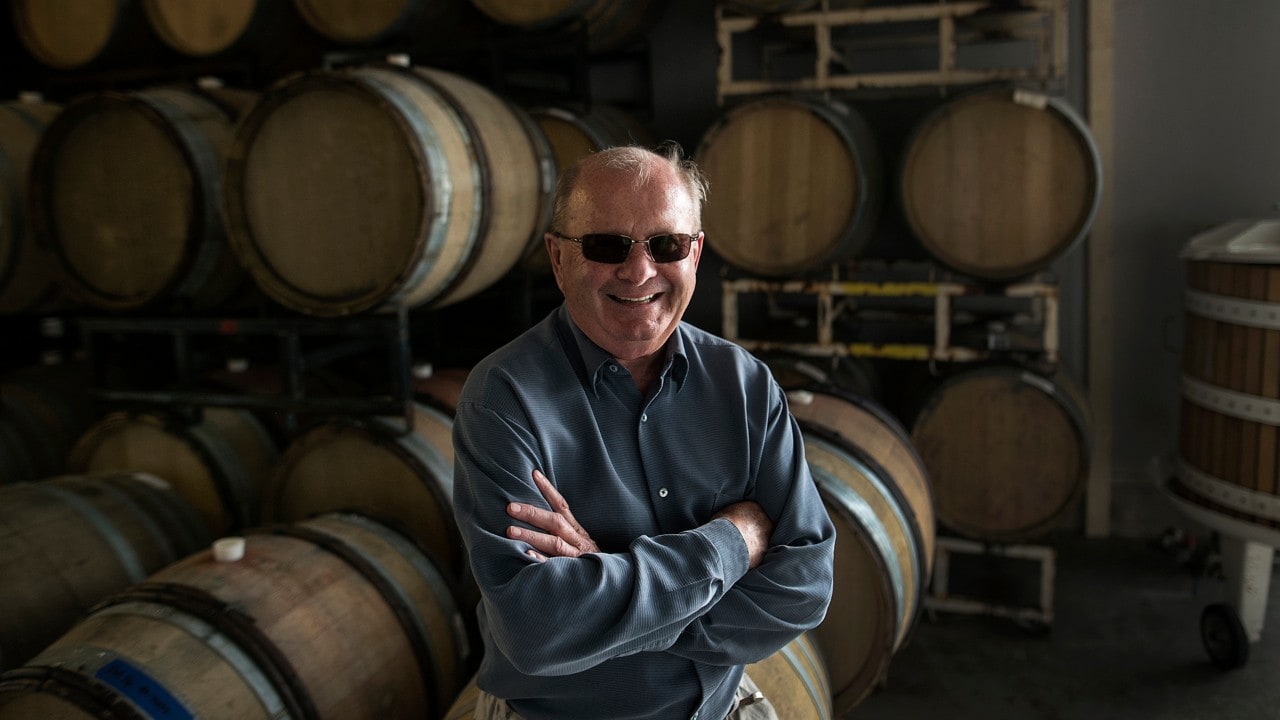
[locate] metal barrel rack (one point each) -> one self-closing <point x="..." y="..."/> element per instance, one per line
<point x="189" y="347"/>
<point x="935" y="318"/>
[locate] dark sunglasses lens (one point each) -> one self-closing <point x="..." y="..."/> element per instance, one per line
<point x="605" y="248"/>
<point x="668" y="248"/>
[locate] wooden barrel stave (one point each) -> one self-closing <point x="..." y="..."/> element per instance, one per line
<point x="877" y="491"/>
<point x="274" y="633"/>
<point x="1007" y="450"/>
<point x="28" y="272"/>
<point x="404" y="479"/>
<point x="997" y="183"/>
<point x="222" y="28"/>
<point x="794" y="680"/>
<point x="127" y="191"/>
<point x="513" y="202"/>
<point x="609" y="25"/>
<point x="387" y="22"/>
<point x="429" y="192"/>
<point x="72" y="540"/>
<point x="1229" y="451"/>
<point x="798" y="183"/>
<point x="89" y="33"/>
<point x="218" y="462"/>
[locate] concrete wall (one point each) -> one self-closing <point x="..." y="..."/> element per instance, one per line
<point x="1197" y="144"/>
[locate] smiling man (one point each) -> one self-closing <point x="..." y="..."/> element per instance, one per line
<point x="633" y="491"/>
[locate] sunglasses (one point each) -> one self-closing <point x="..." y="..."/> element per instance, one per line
<point x="614" y="249"/>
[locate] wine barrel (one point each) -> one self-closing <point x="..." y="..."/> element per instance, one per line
<point x="795" y="680"/>
<point x="1007" y="450"/>
<point x="798" y="184"/>
<point x="609" y="24"/>
<point x="1229" y="422"/>
<point x="379" y="22"/>
<point x="334" y="618"/>
<point x="997" y="183"/>
<point x="371" y="188"/>
<point x="218" y="461"/>
<point x="76" y="35"/>
<point x="43" y="410"/>
<point x="71" y="540"/>
<point x="28" y="279"/>
<point x="126" y="189"/>
<point x="796" y="371"/>
<point x="576" y="132"/>
<point x="373" y="466"/>
<point x="876" y="489"/>
<point x="211" y="28"/>
<point x="573" y="133"/>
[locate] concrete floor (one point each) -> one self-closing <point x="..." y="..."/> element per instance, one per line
<point x="1124" y="643"/>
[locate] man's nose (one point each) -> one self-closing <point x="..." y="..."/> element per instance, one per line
<point x="638" y="266"/>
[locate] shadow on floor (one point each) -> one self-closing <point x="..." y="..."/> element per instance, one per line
<point x="1124" y="643"/>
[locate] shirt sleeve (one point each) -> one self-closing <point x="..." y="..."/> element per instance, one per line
<point x="566" y="615"/>
<point x="790" y="590"/>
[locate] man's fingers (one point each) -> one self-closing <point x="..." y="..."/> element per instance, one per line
<point x="548" y="545"/>
<point x="557" y="501"/>
<point x="549" y="491"/>
<point x="541" y="519"/>
<point x="557" y="533"/>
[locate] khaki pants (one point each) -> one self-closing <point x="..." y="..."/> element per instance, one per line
<point x="744" y="707"/>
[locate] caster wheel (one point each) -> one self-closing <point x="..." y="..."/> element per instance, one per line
<point x="1224" y="637"/>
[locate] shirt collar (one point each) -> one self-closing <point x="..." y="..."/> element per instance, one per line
<point x="595" y="360"/>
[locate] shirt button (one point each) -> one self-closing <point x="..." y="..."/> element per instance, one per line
<point x="644" y="417"/>
<point x="662" y="492"/>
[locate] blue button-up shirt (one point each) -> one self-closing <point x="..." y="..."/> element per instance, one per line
<point x="660" y="622"/>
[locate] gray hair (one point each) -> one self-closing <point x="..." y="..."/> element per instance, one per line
<point x="635" y="159"/>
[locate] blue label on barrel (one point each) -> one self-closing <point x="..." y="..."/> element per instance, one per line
<point x="149" y="695"/>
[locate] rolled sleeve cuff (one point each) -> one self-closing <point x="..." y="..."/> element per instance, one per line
<point x="729" y="545"/>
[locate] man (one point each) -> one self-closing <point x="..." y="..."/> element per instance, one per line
<point x="632" y="491"/>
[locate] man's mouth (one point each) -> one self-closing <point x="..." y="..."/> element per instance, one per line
<point x="635" y="300"/>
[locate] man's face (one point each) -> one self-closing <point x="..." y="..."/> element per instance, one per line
<point x="628" y="309"/>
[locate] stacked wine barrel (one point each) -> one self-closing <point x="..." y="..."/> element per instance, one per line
<point x="993" y="185"/>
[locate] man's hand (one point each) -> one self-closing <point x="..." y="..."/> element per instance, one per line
<point x="563" y="536"/>
<point x="753" y="523"/>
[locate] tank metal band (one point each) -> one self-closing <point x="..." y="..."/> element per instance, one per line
<point x="1230" y="402"/>
<point x="1251" y="502"/>
<point x="1234" y="310"/>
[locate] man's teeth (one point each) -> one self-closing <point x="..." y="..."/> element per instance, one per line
<point x="643" y="299"/>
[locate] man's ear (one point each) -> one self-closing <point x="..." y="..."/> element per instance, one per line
<point x="555" y="252"/>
